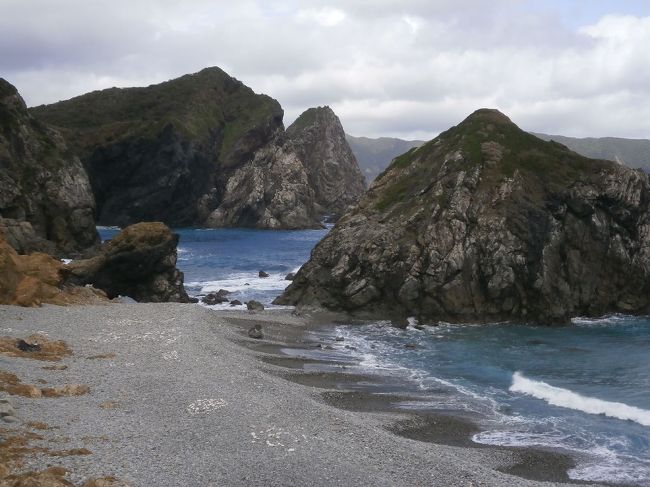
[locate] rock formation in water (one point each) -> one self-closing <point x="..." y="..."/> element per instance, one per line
<point x="488" y="223"/>
<point x="318" y="139"/>
<point x="200" y="150"/>
<point x="46" y="202"/>
<point x="140" y="262"/>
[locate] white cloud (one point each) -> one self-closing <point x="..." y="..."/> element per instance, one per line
<point x="327" y="17"/>
<point x="408" y="69"/>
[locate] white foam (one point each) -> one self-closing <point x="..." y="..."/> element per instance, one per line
<point x="243" y="282"/>
<point x="557" y="396"/>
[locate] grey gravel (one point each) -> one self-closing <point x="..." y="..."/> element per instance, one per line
<point x="194" y="408"/>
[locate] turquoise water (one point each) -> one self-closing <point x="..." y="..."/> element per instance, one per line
<point x="584" y="388"/>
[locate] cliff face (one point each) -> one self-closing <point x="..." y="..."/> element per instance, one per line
<point x="46" y="202"/>
<point x="200" y="150"/>
<point x="488" y="223"/>
<point x="319" y="141"/>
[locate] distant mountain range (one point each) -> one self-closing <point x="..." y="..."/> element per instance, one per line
<point x="374" y="155"/>
<point x="631" y="152"/>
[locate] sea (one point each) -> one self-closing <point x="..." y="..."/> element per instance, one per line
<point x="584" y="388"/>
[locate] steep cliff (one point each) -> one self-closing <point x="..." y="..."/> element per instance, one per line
<point x="318" y="139"/>
<point x="488" y="223"/>
<point x="175" y="151"/>
<point x="46" y="202"/>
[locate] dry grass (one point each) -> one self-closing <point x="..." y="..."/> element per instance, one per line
<point x="11" y="384"/>
<point x="50" y="350"/>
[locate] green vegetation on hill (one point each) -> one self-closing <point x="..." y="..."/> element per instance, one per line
<point x="487" y="140"/>
<point x="195" y="104"/>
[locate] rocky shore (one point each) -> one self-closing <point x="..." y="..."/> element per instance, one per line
<point x="179" y="395"/>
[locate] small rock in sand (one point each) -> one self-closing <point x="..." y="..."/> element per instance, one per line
<point x="339" y="339"/>
<point x="6" y="409"/>
<point x="24" y="346"/>
<point x="10" y="419"/>
<point x="256" y="332"/>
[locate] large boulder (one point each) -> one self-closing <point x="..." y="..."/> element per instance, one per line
<point x="140" y="262"/>
<point x="46" y="202"/>
<point x="488" y="223"/>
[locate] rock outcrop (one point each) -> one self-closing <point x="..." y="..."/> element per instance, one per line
<point x="488" y="223"/>
<point x="31" y="280"/>
<point x="140" y="262"/>
<point x="318" y="139"/>
<point x="271" y="191"/>
<point x="46" y="202"/>
<point x="205" y="150"/>
<point x="167" y="151"/>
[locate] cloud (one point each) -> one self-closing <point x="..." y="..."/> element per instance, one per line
<point x="408" y="69"/>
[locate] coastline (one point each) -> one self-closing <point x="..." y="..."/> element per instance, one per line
<point x="196" y="402"/>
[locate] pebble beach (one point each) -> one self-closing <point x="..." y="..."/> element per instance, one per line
<point x="179" y="395"/>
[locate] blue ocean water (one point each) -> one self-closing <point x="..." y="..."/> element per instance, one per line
<point x="584" y="388"/>
<point x="231" y="258"/>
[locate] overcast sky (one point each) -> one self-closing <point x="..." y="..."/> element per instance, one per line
<point x="407" y="68"/>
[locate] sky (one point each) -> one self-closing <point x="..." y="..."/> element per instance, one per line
<point x="408" y="68"/>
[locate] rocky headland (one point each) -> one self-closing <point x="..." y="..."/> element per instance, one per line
<point x="205" y="150"/>
<point x="488" y="223"/>
<point x="46" y="202"/>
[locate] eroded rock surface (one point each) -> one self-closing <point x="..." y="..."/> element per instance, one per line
<point x="46" y="202"/>
<point x="319" y="141"/>
<point x="140" y="262"/>
<point x="488" y="223"/>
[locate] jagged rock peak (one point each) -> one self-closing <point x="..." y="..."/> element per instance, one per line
<point x="46" y="201"/>
<point x="488" y="223"/>
<point x="319" y="140"/>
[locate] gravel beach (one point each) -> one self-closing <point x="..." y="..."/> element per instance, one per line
<point x="180" y="396"/>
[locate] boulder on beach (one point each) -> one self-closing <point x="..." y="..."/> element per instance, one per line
<point x="488" y="223"/>
<point x="139" y="262"/>
<point x="214" y="298"/>
<point x="235" y="302"/>
<point x="253" y="305"/>
<point x="256" y="332"/>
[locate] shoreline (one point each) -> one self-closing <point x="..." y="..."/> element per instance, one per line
<point x="191" y="400"/>
<point x="380" y="393"/>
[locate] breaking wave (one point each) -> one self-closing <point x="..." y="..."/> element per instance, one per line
<point x="557" y="396"/>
